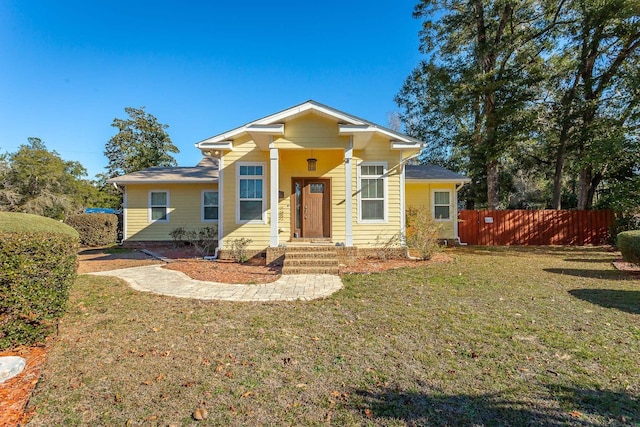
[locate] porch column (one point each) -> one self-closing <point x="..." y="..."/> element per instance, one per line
<point x="403" y="211"/>
<point x="221" y="202"/>
<point x="348" y="180"/>
<point x="274" y="184"/>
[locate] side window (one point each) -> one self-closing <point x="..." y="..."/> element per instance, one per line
<point x="442" y="205"/>
<point x="209" y="206"/>
<point x="158" y="206"/>
<point x="373" y="189"/>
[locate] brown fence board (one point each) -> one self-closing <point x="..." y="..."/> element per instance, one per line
<point x="531" y="227"/>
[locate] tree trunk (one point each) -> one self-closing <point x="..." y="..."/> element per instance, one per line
<point x="557" y="176"/>
<point x="585" y="192"/>
<point x="493" y="182"/>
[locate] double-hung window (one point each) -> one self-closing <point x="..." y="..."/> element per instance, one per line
<point x="209" y="206"/>
<point x="442" y="205"/>
<point x="158" y="206"/>
<point x="372" y="182"/>
<point x="250" y="189"/>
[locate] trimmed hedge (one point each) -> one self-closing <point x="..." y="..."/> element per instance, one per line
<point x="95" y="229"/>
<point x="36" y="271"/>
<point x="11" y="222"/>
<point x="629" y="245"/>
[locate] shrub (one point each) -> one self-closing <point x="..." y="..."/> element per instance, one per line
<point x="239" y="249"/>
<point x="422" y="232"/>
<point x="36" y="271"/>
<point x="11" y="222"/>
<point x="204" y="239"/>
<point x="629" y="245"/>
<point x="177" y="235"/>
<point x="95" y="229"/>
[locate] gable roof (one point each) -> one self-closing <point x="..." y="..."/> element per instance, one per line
<point x="431" y="172"/>
<point x="274" y="125"/>
<point x="170" y="175"/>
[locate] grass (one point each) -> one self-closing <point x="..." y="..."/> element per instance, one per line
<point x="21" y="222"/>
<point x="501" y="336"/>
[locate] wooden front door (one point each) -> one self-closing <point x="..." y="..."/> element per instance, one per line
<point x="311" y="208"/>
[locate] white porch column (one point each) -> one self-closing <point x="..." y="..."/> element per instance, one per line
<point x="221" y="202"/>
<point x="274" y="184"/>
<point x="348" y="179"/>
<point x="403" y="212"/>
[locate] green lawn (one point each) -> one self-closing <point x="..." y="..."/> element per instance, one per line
<point x="500" y="336"/>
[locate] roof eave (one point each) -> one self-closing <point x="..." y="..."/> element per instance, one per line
<point x="446" y="181"/>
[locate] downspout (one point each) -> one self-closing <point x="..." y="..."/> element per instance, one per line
<point x="455" y="197"/>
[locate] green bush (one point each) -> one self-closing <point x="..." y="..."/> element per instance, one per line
<point x="36" y="271"/>
<point x="95" y="229"/>
<point x="15" y="222"/>
<point x="629" y="245"/>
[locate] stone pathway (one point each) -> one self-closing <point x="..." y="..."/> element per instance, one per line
<point x="154" y="278"/>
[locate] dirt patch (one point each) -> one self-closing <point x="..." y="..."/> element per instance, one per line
<point x="376" y="265"/>
<point x="104" y="259"/>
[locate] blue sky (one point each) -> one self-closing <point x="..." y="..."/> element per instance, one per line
<point x="68" y="68"/>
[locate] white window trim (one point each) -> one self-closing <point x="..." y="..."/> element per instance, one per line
<point x="202" y="205"/>
<point x="263" y="219"/>
<point x="167" y="207"/>
<point x="385" y="178"/>
<point x="433" y="205"/>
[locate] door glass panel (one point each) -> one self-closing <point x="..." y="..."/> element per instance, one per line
<point x="298" y="204"/>
<point x="316" y="188"/>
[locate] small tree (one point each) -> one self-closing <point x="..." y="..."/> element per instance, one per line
<point x="141" y="142"/>
<point x="422" y="232"/>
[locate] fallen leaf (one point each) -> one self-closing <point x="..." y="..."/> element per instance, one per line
<point x="219" y="368"/>
<point x="228" y="375"/>
<point x="575" y="414"/>
<point x="247" y="394"/>
<point x="200" y="414"/>
<point x="368" y="413"/>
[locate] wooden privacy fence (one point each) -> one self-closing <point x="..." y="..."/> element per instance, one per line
<point x="535" y="227"/>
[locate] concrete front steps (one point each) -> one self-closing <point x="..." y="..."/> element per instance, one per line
<point x="310" y="260"/>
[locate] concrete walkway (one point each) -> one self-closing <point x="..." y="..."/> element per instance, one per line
<point x="154" y="278"/>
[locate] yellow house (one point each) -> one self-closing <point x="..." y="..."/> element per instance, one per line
<point x="310" y="173"/>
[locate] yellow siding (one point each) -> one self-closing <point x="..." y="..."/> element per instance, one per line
<point x="366" y="234"/>
<point x="418" y="196"/>
<point x="311" y="131"/>
<point x="185" y="210"/>
<point x="244" y="150"/>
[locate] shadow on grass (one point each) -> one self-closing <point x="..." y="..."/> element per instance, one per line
<point x="576" y="251"/>
<point x="628" y="301"/>
<point x="590" y="274"/>
<point x="581" y="407"/>
<point x="590" y="260"/>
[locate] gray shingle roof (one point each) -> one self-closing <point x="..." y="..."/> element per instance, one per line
<point x="177" y="175"/>
<point x="433" y="172"/>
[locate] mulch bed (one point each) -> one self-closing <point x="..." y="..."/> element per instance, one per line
<point x="632" y="269"/>
<point x="15" y="392"/>
<point x="255" y="271"/>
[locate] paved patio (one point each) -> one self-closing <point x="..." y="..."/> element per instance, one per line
<point x="154" y="278"/>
